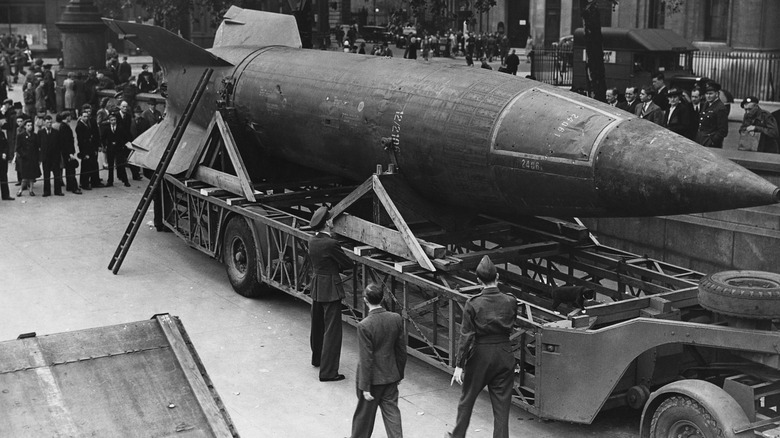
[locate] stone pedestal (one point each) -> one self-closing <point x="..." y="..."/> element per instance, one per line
<point x="83" y="39"/>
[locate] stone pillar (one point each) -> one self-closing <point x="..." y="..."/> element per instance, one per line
<point x="83" y="39"/>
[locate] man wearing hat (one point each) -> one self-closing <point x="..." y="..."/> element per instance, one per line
<point x="485" y="352"/>
<point x="327" y="261"/>
<point x="678" y="117"/>
<point x="760" y="121"/>
<point x="713" y="118"/>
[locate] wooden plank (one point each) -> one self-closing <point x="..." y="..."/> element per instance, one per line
<point x="400" y="224"/>
<point x="379" y="237"/>
<point x="204" y="142"/>
<point x="193" y="375"/>
<point x="219" y="179"/>
<point x="235" y="158"/>
<point x="213" y="191"/>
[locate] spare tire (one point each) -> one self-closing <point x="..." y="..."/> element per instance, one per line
<point x="744" y="294"/>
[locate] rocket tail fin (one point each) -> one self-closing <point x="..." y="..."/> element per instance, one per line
<point x="246" y="27"/>
<point x="166" y="47"/>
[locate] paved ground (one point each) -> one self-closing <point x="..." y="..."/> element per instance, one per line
<point x="53" y="257"/>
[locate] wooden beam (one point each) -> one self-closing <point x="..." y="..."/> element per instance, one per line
<point x="382" y="238"/>
<point x="400" y="224"/>
<point x="203" y="145"/>
<point x="222" y="180"/>
<point x="235" y="157"/>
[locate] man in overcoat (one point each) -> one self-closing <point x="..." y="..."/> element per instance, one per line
<point x="114" y="138"/>
<point x="382" y="359"/>
<point x="51" y="157"/>
<point x="485" y="352"/>
<point x="678" y="118"/>
<point x="327" y="261"/>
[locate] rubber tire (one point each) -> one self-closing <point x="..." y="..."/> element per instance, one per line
<point x="681" y="412"/>
<point x="744" y="294"/>
<point x="239" y="253"/>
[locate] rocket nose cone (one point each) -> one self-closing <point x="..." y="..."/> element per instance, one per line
<point x="643" y="169"/>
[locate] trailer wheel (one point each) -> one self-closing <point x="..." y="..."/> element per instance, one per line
<point x="745" y="294"/>
<point x="680" y="416"/>
<point x="240" y="256"/>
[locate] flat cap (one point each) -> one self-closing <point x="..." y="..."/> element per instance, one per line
<point x="319" y="217"/>
<point x="486" y="270"/>
<point x="749" y="99"/>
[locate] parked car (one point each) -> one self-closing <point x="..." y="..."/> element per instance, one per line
<point x="376" y="34"/>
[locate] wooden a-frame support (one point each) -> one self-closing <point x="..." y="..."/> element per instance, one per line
<point x="401" y="241"/>
<point x="218" y="135"/>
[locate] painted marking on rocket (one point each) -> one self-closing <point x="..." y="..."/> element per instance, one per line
<point x="395" y="131"/>
<point x="568" y="121"/>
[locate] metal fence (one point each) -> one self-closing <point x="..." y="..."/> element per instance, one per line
<point x="742" y="73"/>
<point x="552" y="66"/>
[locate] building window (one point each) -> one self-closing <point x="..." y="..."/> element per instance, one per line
<point x="656" y="14"/>
<point x="716" y="14"/>
<point x="552" y="22"/>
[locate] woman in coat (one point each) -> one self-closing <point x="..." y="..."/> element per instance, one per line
<point x="27" y="157"/>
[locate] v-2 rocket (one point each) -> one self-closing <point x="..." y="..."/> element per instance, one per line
<point x="467" y="137"/>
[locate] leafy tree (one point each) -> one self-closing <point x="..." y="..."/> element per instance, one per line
<point x="176" y="15"/>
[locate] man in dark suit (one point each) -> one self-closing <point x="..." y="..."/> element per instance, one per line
<point x="696" y="107"/>
<point x="661" y="92"/>
<point x="647" y="109"/>
<point x="484" y="350"/>
<point x="114" y="139"/>
<point x="51" y="157"/>
<point x="678" y="119"/>
<point x="382" y="359"/>
<point x="4" y="156"/>
<point x="631" y="102"/>
<point x="126" y="122"/>
<point x="327" y="261"/>
<point x="68" y="149"/>
<point x="87" y="152"/>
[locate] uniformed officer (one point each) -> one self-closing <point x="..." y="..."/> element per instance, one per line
<point x="327" y="261"/>
<point x="713" y="119"/>
<point x="485" y="353"/>
<point x="760" y="121"/>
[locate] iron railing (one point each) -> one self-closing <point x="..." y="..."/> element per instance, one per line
<point x="552" y="66"/>
<point x="742" y="73"/>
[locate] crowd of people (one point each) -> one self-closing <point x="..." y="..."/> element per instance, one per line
<point x="700" y="115"/>
<point x="90" y="133"/>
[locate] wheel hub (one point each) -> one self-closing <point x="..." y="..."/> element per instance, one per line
<point x="685" y="429"/>
<point x="239" y="255"/>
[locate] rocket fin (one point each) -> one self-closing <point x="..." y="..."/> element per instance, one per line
<point x="245" y="27"/>
<point x="165" y="46"/>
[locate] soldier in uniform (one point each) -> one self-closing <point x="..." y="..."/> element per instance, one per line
<point x="327" y="261"/>
<point x="757" y="120"/>
<point x="485" y="352"/>
<point x="713" y="119"/>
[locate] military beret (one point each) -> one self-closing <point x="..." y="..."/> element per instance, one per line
<point x="749" y="99"/>
<point x="319" y="217"/>
<point x="486" y="270"/>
